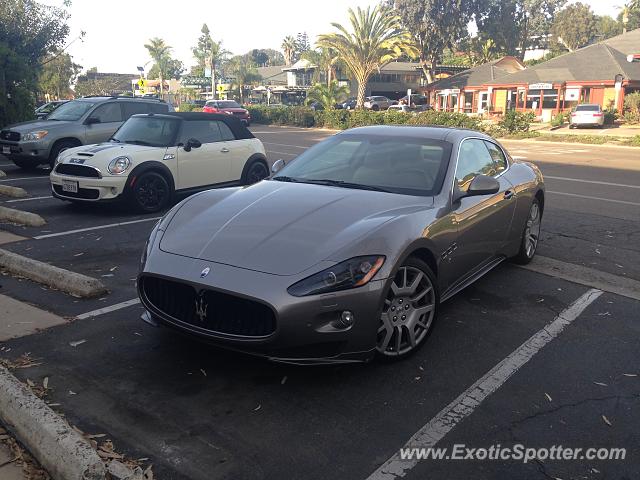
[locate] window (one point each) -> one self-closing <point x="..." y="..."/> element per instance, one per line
<point x="203" y="131"/>
<point x="158" y="107"/>
<point x="134" y="108"/>
<point x="498" y="157"/>
<point x="71" y="111"/>
<point x="473" y="160"/>
<point x="226" y="132"/>
<point x="152" y="131"/>
<point x="108" y="112"/>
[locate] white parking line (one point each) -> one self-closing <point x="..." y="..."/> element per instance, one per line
<point x="28" y="199"/>
<point x="589" y="197"/>
<point x="463" y="406"/>
<point x="283" y="153"/>
<point x="567" y="179"/>
<point x="285" y="145"/>
<point x="111" y="308"/>
<point x="99" y="227"/>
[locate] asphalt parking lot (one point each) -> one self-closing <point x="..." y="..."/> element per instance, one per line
<point x="198" y="413"/>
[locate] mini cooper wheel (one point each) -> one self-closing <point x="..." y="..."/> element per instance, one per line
<point x="257" y="171"/>
<point x="409" y="310"/>
<point x="151" y="192"/>
<point x="530" y="235"/>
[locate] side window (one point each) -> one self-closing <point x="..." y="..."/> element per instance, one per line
<point x="498" y="156"/>
<point x="134" y="108"/>
<point x="108" y="112"/>
<point x="474" y="159"/>
<point x="157" y="107"/>
<point x="226" y="132"/>
<point x="203" y="130"/>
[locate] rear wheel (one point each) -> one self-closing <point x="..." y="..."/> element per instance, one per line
<point x="530" y="235"/>
<point x="257" y="171"/>
<point x="409" y="310"/>
<point x="151" y="192"/>
<point x="375" y="108"/>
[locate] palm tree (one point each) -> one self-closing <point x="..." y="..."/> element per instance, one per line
<point x="289" y="47"/>
<point x="327" y="95"/>
<point x="377" y="38"/>
<point x="160" y="52"/>
<point x="216" y="56"/>
<point x="326" y="61"/>
<point x="245" y="73"/>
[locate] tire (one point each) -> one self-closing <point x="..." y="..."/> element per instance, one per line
<point x="151" y="192"/>
<point x="408" y="306"/>
<point x="255" y="171"/>
<point x="58" y="148"/>
<point x="530" y="234"/>
<point x="27" y="164"/>
<point x="375" y="108"/>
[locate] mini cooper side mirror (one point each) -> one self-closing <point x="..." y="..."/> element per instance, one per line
<point x="192" y="143"/>
<point x="481" y="185"/>
<point x="277" y="166"/>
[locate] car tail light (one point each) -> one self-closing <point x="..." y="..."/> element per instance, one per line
<point x="597" y="114"/>
<point x="573" y="114"/>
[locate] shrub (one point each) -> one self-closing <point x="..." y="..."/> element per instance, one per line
<point x="558" y="120"/>
<point x="516" y="121"/>
<point x="283" y="115"/>
<point x="631" y="117"/>
<point x="610" y="116"/>
<point x="190" y="107"/>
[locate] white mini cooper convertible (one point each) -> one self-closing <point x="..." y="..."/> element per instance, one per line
<point x="153" y="157"/>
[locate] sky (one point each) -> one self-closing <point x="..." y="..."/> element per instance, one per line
<point x="117" y="30"/>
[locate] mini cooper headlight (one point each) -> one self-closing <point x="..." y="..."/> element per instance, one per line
<point x="351" y="273"/>
<point x="32" y="136"/>
<point x="119" y="165"/>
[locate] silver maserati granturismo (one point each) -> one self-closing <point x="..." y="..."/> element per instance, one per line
<point x="346" y="252"/>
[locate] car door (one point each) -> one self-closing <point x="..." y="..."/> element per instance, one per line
<point x="103" y="122"/>
<point x="236" y="151"/>
<point x="206" y="165"/>
<point x="483" y="222"/>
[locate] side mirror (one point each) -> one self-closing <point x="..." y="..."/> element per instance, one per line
<point x="277" y="166"/>
<point x="91" y="121"/>
<point x="192" y="143"/>
<point x="481" y="185"/>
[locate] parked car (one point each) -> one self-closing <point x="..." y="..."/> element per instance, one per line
<point x="378" y="103"/>
<point x="229" y="107"/>
<point x="346" y="252"/>
<point x="348" y="104"/>
<point x="45" y="109"/>
<point x="416" y="99"/>
<point x="84" y="121"/>
<point x="154" y="157"/>
<point x="587" y="114"/>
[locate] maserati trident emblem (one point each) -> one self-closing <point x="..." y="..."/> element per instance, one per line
<point x="201" y="308"/>
<point x="205" y="272"/>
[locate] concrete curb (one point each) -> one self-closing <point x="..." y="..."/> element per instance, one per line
<point x="70" y="282"/>
<point x="15" y="192"/>
<point x="59" y="449"/>
<point x="20" y="217"/>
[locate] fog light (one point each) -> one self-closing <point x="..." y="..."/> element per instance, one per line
<point x="347" y="318"/>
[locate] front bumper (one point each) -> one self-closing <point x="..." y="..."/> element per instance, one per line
<point x="105" y="189"/>
<point x="31" y="151"/>
<point x="307" y="329"/>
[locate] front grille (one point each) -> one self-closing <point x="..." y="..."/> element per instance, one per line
<point x="10" y="136"/>
<point x="239" y="113"/>
<point x="219" y="312"/>
<point x="77" y="170"/>
<point x="84" y="193"/>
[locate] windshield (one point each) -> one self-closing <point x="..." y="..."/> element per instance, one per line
<point x="407" y="165"/>
<point x="228" y="104"/>
<point x="150" y="131"/>
<point x="588" y="108"/>
<point x="71" y="111"/>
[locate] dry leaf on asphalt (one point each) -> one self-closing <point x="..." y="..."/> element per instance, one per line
<point x="45" y="383"/>
<point x="606" y="420"/>
<point x="284" y="380"/>
<point x="257" y="408"/>
<point x="630" y="374"/>
<point x="548" y="397"/>
<point x="77" y="342"/>
<point x="203" y="372"/>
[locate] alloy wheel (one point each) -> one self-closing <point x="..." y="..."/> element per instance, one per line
<point x="256" y="173"/>
<point x="532" y="231"/>
<point x="151" y="193"/>
<point x="408" y="312"/>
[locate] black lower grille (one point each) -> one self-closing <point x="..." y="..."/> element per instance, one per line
<point x="77" y="170"/>
<point x="208" y="309"/>
<point x="9" y="136"/>
<point x="85" y="193"/>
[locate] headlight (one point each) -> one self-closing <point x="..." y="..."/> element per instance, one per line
<point x="119" y="165"/>
<point x="32" y="136"/>
<point x="352" y="273"/>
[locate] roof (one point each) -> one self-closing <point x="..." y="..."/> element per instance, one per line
<point x="598" y="62"/>
<point x="485" y="73"/>
<point x="236" y="126"/>
<point x="273" y="74"/>
<point x="302" y="64"/>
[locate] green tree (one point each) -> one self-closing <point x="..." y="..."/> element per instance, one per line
<point x="302" y="45"/>
<point x="289" y="47"/>
<point x="376" y="38"/>
<point x="434" y="25"/>
<point x="58" y="73"/>
<point x="574" y="26"/>
<point x="327" y="95"/>
<point x="97" y="86"/>
<point x="174" y="69"/>
<point x="210" y="54"/>
<point x="241" y="67"/>
<point x="275" y="57"/>
<point x="607" y="27"/>
<point x="326" y="59"/>
<point x="482" y="51"/>
<point x="160" y="52"/>
<point x="29" y="32"/>
<point x="631" y="13"/>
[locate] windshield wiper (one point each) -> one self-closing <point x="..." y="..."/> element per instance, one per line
<point x="282" y="178"/>
<point x="343" y="184"/>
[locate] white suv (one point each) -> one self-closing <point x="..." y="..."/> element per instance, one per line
<point x="151" y="158"/>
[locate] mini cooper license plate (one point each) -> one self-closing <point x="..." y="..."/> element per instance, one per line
<point x="69" y="186"/>
<point x="6" y="150"/>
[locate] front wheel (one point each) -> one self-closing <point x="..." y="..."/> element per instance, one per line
<point x="151" y="192"/>
<point x="409" y="310"/>
<point x="530" y="235"/>
<point x="257" y="171"/>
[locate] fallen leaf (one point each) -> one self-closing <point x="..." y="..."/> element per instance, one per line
<point x="97" y="435"/>
<point x="79" y="254"/>
<point x="71" y="392"/>
<point x="45" y="382"/>
<point x="284" y="380"/>
<point x="630" y="374"/>
<point x="605" y="314"/>
<point x="30" y="383"/>
<point x="113" y="269"/>
<point x="203" y="372"/>
<point x="257" y="408"/>
<point x="601" y="384"/>
<point x="417" y="378"/>
<point x="606" y="420"/>
<point x="77" y="342"/>
<point x="548" y="397"/>
<point x="540" y="300"/>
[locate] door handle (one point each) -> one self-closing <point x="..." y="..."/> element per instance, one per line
<point x="508" y="194"/>
<point x="224" y="150"/>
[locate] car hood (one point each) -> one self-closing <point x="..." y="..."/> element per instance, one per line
<point x="234" y="110"/>
<point x="281" y="228"/>
<point x="101" y="154"/>
<point x="32" y="125"/>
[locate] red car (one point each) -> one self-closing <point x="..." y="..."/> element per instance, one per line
<point x="230" y="107"/>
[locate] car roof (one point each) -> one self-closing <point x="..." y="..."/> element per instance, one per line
<point x="435" y="132"/>
<point x="236" y="126"/>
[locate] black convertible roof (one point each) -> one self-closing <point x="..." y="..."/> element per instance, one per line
<point x="237" y="127"/>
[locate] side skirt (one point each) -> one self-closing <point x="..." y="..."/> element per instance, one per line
<point x="472" y="277"/>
